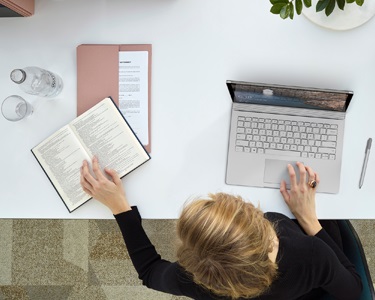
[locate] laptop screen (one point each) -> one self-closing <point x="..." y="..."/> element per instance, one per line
<point x="290" y="96"/>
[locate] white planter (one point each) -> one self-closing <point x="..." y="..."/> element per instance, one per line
<point x="351" y="17"/>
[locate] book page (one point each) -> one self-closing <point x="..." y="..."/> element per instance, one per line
<point x="133" y="91"/>
<point x="105" y="134"/>
<point x="61" y="156"/>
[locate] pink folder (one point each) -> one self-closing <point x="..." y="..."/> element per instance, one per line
<point x="97" y="76"/>
<point x="22" y="7"/>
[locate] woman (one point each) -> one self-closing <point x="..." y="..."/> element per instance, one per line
<point x="231" y="250"/>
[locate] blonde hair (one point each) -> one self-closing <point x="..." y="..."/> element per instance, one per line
<point x="225" y="244"/>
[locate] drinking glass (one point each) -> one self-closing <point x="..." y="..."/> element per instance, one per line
<point x="15" y="108"/>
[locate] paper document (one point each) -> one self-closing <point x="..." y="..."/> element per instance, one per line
<point x="133" y="91"/>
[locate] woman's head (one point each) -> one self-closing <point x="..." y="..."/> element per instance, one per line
<point x="225" y="244"/>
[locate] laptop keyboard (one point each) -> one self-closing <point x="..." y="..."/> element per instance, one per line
<point x="288" y="138"/>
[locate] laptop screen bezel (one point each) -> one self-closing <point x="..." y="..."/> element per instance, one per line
<point x="232" y="84"/>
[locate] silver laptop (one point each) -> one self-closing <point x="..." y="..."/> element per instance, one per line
<point x="273" y="125"/>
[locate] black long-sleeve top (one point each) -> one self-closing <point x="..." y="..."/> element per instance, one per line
<point x="308" y="266"/>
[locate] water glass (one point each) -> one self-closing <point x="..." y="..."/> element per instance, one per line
<point x="15" y="108"/>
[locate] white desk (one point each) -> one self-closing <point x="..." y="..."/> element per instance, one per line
<point x="197" y="46"/>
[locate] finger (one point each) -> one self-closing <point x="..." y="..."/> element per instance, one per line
<point x="302" y="172"/>
<point x="317" y="178"/>
<point x="84" y="183"/>
<point x="113" y="174"/>
<point x="311" y="173"/>
<point x="284" y="191"/>
<point x="96" y="169"/>
<point x="292" y="176"/>
<point x="86" y="173"/>
<point x="87" y="191"/>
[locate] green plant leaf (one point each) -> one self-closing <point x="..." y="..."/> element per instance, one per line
<point x="276" y="8"/>
<point x="284" y="13"/>
<point x="279" y="1"/>
<point x="350" y="1"/>
<point x="321" y="5"/>
<point x="299" y="6"/>
<point x="291" y="11"/>
<point x="330" y="7"/>
<point x="341" y="4"/>
<point x="359" y="2"/>
<point x="307" y="3"/>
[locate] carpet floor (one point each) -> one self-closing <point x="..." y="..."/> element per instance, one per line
<point x="87" y="259"/>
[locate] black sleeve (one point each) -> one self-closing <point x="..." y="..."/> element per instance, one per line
<point x="155" y="272"/>
<point x="337" y="274"/>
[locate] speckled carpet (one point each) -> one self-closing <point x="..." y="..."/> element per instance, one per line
<point x="87" y="259"/>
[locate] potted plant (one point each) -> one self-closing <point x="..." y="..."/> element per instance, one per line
<point x="287" y="8"/>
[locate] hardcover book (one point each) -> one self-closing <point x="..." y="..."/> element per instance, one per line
<point x="101" y="131"/>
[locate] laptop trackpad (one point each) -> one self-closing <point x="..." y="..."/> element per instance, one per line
<point x="277" y="170"/>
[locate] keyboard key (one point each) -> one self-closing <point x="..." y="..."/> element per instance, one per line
<point x="241" y="136"/>
<point x="242" y="143"/>
<point x="329" y="144"/>
<point x="331" y="156"/>
<point x="247" y="149"/>
<point x="332" y="138"/>
<point x="327" y="150"/>
<point x="239" y="149"/>
<point x="331" y="131"/>
<point x="240" y="130"/>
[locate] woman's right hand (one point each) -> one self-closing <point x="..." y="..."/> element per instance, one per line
<point x="107" y="190"/>
<point x="301" y="197"/>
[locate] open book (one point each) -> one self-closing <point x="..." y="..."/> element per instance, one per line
<point x="101" y="131"/>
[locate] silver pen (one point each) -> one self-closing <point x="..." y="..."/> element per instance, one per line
<point x="367" y="154"/>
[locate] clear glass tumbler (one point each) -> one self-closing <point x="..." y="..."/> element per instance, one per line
<point x="15" y="108"/>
